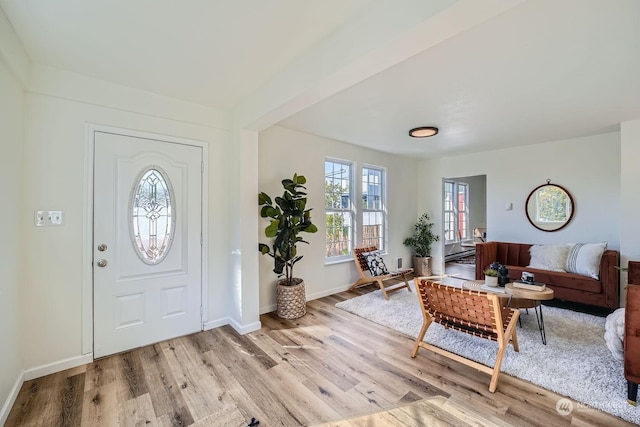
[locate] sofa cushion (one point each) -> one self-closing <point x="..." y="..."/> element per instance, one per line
<point x="549" y="257"/>
<point x="560" y="280"/>
<point x="584" y="259"/>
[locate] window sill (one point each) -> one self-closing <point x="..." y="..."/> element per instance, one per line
<point x="338" y="261"/>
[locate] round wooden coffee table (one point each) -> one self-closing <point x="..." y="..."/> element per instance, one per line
<point x="535" y="297"/>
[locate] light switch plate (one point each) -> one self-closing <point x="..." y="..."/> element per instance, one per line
<point x="55" y="217"/>
<point x="47" y="218"/>
<point x="39" y="218"/>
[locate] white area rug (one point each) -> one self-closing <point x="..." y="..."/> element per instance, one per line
<point x="575" y="362"/>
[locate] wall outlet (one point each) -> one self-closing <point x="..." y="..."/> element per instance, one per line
<point x="398" y="263"/>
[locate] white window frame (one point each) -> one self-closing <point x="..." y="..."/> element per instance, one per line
<point x="347" y="211"/>
<point x="381" y="241"/>
<point x="453" y="235"/>
<point x="466" y="235"/>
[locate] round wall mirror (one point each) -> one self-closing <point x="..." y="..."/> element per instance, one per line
<point x="549" y="207"/>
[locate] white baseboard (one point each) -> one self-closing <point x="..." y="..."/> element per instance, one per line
<point x="245" y="329"/>
<point x="328" y="292"/>
<point x="269" y="308"/>
<point x="212" y="324"/>
<point x="61" y="365"/>
<point x="242" y="329"/>
<point x="11" y="399"/>
<point x="310" y="297"/>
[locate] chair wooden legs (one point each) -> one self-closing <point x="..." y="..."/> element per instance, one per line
<point x="380" y="282"/>
<point x="423" y="331"/>
<point x="386" y="291"/>
<point x="503" y="341"/>
<point x="509" y="336"/>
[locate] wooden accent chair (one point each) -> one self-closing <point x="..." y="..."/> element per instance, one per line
<point x="477" y="313"/>
<point x="366" y="278"/>
<point x="632" y="332"/>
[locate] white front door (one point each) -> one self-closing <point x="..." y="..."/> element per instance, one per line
<point x="147" y="253"/>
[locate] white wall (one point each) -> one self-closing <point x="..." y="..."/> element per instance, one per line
<point x="283" y="152"/>
<point x="589" y="168"/>
<point x="11" y="244"/>
<point x="477" y="201"/>
<point x="54" y="179"/>
<point x="630" y="199"/>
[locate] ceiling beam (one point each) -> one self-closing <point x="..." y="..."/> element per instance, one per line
<point x="388" y="34"/>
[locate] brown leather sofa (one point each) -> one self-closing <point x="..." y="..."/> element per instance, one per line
<point x="566" y="286"/>
<point x="632" y="332"/>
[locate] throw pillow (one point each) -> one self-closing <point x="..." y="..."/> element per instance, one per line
<point x="584" y="259"/>
<point x="375" y="263"/>
<point x="549" y="257"/>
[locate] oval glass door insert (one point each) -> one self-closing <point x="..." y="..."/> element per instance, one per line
<point x="152" y="215"/>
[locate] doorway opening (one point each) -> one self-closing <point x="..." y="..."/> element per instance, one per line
<point x="464" y="204"/>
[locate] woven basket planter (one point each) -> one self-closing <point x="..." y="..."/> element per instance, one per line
<point x="291" y="300"/>
<point x="422" y="266"/>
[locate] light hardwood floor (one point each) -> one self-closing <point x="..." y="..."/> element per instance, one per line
<point x="328" y="368"/>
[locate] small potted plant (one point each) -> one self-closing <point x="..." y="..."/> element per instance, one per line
<point x="289" y="217"/>
<point x="491" y="277"/>
<point x="421" y="241"/>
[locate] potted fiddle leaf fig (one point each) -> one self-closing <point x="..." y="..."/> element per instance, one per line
<point x="421" y="241"/>
<point x="289" y="217"/>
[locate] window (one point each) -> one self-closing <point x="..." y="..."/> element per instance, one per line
<point x="463" y="211"/>
<point x="373" y="214"/>
<point x="338" y="208"/>
<point x="456" y="211"/>
<point x="449" y="212"/>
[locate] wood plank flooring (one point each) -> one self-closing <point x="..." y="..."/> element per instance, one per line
<point x="328" y="368"/>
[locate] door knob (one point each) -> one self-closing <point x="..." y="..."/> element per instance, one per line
<point x="102" y="247"/>
<point x="102" y="263"/>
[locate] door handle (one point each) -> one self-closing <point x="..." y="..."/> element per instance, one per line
<point x="102" y="247"/>
<point x="102" y="263"/>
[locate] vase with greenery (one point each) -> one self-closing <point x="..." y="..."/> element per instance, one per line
<point x="420" y="242"/>
<point x="491" y="277"/>
<point x="289" y="217"/>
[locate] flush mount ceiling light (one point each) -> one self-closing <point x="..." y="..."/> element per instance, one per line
<point x="423" y="132"/>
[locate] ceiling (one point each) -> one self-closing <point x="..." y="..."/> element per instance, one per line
<point x="544" y="70"/>
<point x="210" y="52"/>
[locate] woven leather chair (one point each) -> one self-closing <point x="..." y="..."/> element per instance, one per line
<point x="366" y="278"/>
<point x="477" y="313"/>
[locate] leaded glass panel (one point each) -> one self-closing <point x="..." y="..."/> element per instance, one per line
<point x="152" y="215"/>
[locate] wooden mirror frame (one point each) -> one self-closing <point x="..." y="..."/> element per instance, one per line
<point x="530" y="205"/>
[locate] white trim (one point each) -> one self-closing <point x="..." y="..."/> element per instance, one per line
<point x="245" y="329"/>
<point x="204" y="229"/>
<point x="327" y="292"/>
<point x="87" y="244"/>
<point x="269" y="309"/>
<point x="87" y="226"/>
<point x="242" y="329"/>
<point x="11" y="399"/>
<point x="212" y="324"/>
<point x="310" y="297"/>
<point x="59" y="366"/>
